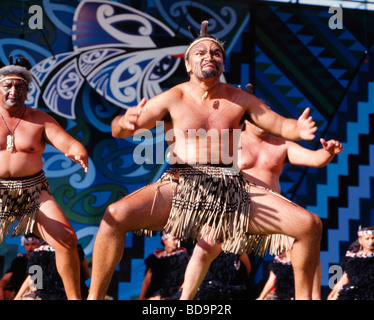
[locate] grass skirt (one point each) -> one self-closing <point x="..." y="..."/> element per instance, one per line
<point x="215" y="199"/>
<point x="19" y="204"/>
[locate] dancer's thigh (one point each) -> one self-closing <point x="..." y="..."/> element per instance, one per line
<point x="146" y="208"/>
<point x="52" y="225"/>
<point x="272" y="214"/>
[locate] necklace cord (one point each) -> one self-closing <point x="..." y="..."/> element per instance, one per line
<point x="15" y="127"/>
<point x="10" y="137"/>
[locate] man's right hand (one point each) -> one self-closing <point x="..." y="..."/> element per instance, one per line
<point x="128" y="120"/>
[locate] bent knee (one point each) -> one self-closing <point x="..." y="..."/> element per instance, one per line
<point x="203" y="256"/>
<point x="317" y="223"/>
<point x="206" y="252"/>
<point x="313" y="226"/>
<point x="116" y="216"/>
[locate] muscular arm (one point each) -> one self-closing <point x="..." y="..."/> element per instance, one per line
<point x="143" y="116"/>
<point x="290" y="129"/>
<point x="297" y="155"/>
<point x="60" y="139"/>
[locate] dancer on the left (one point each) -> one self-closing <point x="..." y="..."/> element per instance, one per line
<point x="26" y="204"/>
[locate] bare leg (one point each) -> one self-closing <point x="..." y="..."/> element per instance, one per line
<point x="304" y="261"/>
<point x="203" y="254"/>
<point x="53" y="227"/>
<point x="128" y="214"/>
<point x="317" y="283"/>
<point x="271" y="214"/>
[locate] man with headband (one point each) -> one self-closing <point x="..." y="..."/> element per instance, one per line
<point x="26" y="204"/>
<point x="13" y="278"/>
<point x="203" y="194"/>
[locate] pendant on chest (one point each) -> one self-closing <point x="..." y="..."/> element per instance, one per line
<point x="9" y="143"/>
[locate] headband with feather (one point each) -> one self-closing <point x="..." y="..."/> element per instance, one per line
<point x="203" y="37"/>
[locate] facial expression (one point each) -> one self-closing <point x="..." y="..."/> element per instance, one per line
<point x="30" y="246"/>
<point x="13" y="92"/>
<point x="205" y="60"/>
<point x="367" y="242"/>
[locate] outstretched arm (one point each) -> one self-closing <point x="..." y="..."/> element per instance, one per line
<point x="124" y="126"/>
<point x="303" y="128"/>
<point x="60" y="139"/>
<point x="290" y="129"/>
<point x="78" y="153"/>
<point x="297" y="155"/>
<point x="141" y="117"/>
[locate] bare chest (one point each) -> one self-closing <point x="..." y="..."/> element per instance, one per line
<point x="265" y="156"/>
<point x="207" y="115"/>
<point x="26" y="137"/>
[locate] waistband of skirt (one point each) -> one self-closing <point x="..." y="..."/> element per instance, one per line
<point x="206" y="169"/>
<point x="24" y="182"/>
<point x="36" y="175"/>
<point x="198" y="165"/>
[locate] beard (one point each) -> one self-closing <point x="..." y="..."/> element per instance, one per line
<point x="206" y="74"/>
<point x="209" y="74"/>
<point x="14" y="103"/>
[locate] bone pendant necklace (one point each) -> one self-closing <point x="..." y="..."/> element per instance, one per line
<point x="10" y="136"/>
<point x="205" y="95"/>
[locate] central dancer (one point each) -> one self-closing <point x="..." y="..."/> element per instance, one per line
<point x="203" y="194"/>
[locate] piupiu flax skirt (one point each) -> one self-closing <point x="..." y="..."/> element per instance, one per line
<point x="19" y="204"/>
<point x="215" y="200"/>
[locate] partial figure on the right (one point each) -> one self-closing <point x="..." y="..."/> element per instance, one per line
<point x="357" y="281"/>
<point x="263" y="158"/>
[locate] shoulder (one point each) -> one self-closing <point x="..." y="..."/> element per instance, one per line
<point x="175" y="92"/>
<point x="239" y="92"/>
<point x="165" y="100"/>
<point x="234" y="93"/>
<point x="39" y="116"/>
<point x="245" y="99"/>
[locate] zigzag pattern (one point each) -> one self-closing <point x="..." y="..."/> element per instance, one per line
<point x="350" y="148"/>
<point x="337" y="130"/>
<point x="353" y="211"/>
<point x="354" y="185"/>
